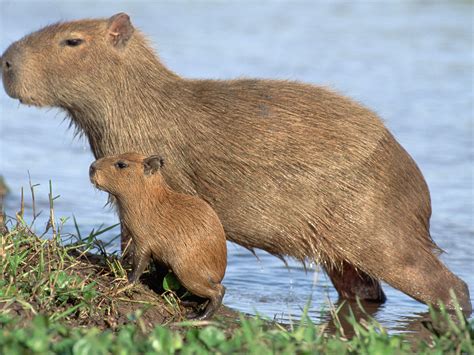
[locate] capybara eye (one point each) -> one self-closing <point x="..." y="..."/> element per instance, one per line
<point x="72" y="42"/>
<point x="121" y="165"/>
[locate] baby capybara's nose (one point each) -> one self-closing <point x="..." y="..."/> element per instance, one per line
<point x="8" y="65"/>
<point x="92" y="169"/>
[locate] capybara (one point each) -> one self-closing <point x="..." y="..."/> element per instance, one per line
<point x="291" y="168"/>
<point x="181" y="232"/>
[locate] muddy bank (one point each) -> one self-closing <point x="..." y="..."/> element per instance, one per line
<point x="158" y="305"/>
<point x="70" y="284"/>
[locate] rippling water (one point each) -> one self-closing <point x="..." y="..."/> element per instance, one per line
<point x="411" y="62"/>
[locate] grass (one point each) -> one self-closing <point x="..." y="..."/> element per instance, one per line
<point x="55" y="297"/>
<point x="254" y="336"/>
<point x="57" y="276"/>
<point x="42" y="276"/>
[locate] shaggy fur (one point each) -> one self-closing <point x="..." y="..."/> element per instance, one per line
<point x="178" y="231"/>
<point x="291" y="168"/>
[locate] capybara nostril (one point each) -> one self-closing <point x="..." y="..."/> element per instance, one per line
<point x="6" y="62"/>
<point x="92" y="169"/>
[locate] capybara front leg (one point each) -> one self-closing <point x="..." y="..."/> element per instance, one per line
<point x="126" y="243"/>
<point x="351" y="283"/>
<point x="140" y="261"/>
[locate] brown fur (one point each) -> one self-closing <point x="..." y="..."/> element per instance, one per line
<point x="291" y="168"/>
<point x="179" y="231"/>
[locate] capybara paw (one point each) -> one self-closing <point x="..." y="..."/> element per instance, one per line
<point x="189" y="304"/>
<point x="193" y="315"/>
<point x="206" y="313"/>
<point x="132" y="279"/>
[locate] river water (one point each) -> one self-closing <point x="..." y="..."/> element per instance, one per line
<point x="412" y="62"/>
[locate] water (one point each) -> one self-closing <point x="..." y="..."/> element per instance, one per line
<point x="412" y="62"/>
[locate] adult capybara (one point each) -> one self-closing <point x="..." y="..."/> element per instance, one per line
<point x="181" y="232"/>
<point x="290" y="168"/>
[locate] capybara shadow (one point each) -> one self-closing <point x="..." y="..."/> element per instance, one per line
<point x="291" y="168"/>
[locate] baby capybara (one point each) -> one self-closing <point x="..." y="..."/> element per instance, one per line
<point x="295" y="169"/>
<point x="179" y="231"/>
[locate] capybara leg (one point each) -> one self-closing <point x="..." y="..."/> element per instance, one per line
<point x="141" y="259"/>
<point x="215" y="301"/>
<point x="423" y="276"/>
<point x="351" y="283"/>
<point x="126" y="243"/>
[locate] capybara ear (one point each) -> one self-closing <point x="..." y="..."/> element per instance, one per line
<point x="120" y="30"/>
<point x="152" y="164"/>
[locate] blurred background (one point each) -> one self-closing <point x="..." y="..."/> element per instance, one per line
<point x="410" y="61"/>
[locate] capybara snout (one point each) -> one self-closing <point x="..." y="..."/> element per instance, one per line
<point x="9" y="62"/>
<point x="91" y="170"/>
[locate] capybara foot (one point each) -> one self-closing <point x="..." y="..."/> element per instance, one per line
<point x="207" y="313"/>
<point x="462" y="297"/>
<point x="190" y="304"/>
<point x="132" y="278"/>
<point x="211" y="307"/>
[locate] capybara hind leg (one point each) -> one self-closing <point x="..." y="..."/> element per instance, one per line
<point x="421" y="275"/>
<point x="351" y="283"/>
<point x="204" y="286"/>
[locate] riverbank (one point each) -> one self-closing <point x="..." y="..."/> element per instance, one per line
<point x="68" y="283"/>
<point x="65" y="294"/>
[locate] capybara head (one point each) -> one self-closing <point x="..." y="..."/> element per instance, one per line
<point x="124" y="173"/>
<point x="65" y="62"/>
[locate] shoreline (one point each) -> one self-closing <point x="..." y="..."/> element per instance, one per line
<point x="65" y="295"/>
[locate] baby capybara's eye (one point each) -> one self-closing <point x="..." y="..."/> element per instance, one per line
<point x="72" y="42"/>
<point x="121" y="165"/>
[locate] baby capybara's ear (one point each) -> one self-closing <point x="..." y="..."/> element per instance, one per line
<point x="152" y="164"/>
<point x="120" y="30"/>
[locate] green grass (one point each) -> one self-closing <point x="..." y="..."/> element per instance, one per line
<point x="64" y="282"/>
<point x="39" y="276"/>
<point x="54" y="300"/>
<point x="254" y="336"/>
